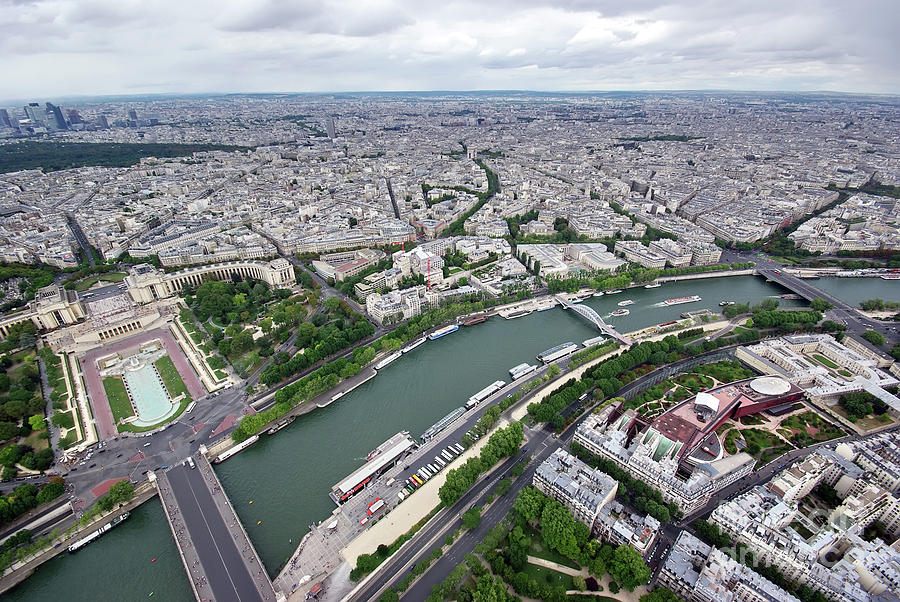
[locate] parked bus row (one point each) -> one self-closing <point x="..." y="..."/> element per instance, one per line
<point x="430" y="469"/>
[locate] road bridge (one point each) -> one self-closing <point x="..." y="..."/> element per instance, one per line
<point x="594" y="318"/>
<point x="855" y="321"/>
<point x="220" y="561"/>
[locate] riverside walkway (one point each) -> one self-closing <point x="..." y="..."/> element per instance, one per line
<point x="220" y="561"/>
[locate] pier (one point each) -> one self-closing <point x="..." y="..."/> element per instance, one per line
<point x="220" y="561"/>
<point x="594" y="318"/>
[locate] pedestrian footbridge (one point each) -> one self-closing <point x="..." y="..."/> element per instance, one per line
<point x="594" y="318"/>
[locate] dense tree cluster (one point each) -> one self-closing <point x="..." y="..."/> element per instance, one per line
<point x="604" y="282"/>
<point x="319" y="343"/>
<point x="32" y="278"/>
<point x="876" y="338"/>
<point x="53" y="156"/>
<point x="121" y="492"/>
<point x="861" y="404"/>
<point x="878" y="304"/>
<point x="550" y="408"/>
<point x="25" y="497"/>
<point x="503" y="443"/>
<point x="786" y="320"/>
<point x="20" y="396"/>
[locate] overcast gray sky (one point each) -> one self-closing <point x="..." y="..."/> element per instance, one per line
<point x="58" y="48"/>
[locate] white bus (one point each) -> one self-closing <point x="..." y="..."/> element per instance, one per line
<point x="190" y="407"/>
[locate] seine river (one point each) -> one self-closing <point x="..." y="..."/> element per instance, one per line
<point x="288" y="476"/>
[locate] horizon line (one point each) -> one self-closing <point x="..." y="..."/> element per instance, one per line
<point x="13" y="101"/>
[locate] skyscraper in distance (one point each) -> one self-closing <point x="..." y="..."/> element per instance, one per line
<point x="4" y="118"/>
<point x="55" y="117"/>
<point x="329" y="128"/>
<point x="34" y="113"/>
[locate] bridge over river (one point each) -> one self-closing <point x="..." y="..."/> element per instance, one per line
<point x="594" y="318"/>
<point x="220" y="561"/>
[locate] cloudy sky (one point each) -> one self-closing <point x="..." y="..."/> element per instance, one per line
<point x="59" y="48"/>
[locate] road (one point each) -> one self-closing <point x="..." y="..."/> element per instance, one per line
<point x="227" y="574"/>
<point x="842" y="312"/>
<point x="540" y="444"/>
<point x="80" y="238"/>
<point x="131" y="457"/>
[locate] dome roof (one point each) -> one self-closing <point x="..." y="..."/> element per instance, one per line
<point x="770" y="385"/>
<point x="708" y="401"/>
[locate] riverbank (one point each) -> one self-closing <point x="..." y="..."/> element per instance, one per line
<point x="701" y="276"/>
<point x="426" y="497"/>
<point x="288" y="476"/>
<point x="23" y="569"/>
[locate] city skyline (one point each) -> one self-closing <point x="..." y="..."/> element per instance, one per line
<point x="99" y="48"/>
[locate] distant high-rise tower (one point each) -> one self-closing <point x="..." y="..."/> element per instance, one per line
<point x="4" y="118"/>
<point x="329" y="128"/>
<point x="132" y="114"/>
<point x="103" y="122"/>
<point x="74" y="116"/>
<point x="34" y="113"/>
<point x="55" y="117"/>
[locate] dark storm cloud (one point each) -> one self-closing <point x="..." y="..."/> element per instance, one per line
<point x="56" y="47"/>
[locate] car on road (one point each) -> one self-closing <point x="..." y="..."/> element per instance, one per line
<point x="92" y="466"/>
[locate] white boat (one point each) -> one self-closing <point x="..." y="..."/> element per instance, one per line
<point x="598" y="294"/>
<point x="615" y="292"/>
<point x="88" y="539"/>
<point x="515" y="313"/>
<point x="387" y="360"/>
<point x="654" y="285"/>
<point x="412" y="346"/>
<point x="620" y="312"/>
<point x="594" y="341"/>
<point x="682" y="300"/>
<point x="625" y="303"/>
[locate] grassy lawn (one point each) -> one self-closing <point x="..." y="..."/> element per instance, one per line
<point x="36" y="441"/>
<point x="539" y="550"/>
<point x="83" y="285"/>
<point x="773" y="452"/>
<point x="864" y="424"/>
<point x="171" y="378"/>
<point x="540" y="574"/>
<point x="825" y="361"/>
<point x="220" y="374"/>
<point x="803" y="531"/>
<point x="729" y="443"/>
<point x="844" y="373"/>
<point x="118" y="398"/>
<point x="799" y="423"/>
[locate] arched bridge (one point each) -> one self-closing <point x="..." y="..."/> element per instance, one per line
<point x="593" y="317"/>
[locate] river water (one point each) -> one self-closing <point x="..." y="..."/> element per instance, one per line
<point x="288" y="476"/>
<point x="854" y="290"/>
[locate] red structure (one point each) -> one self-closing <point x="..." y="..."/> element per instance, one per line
<point x="693" y="422"/>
